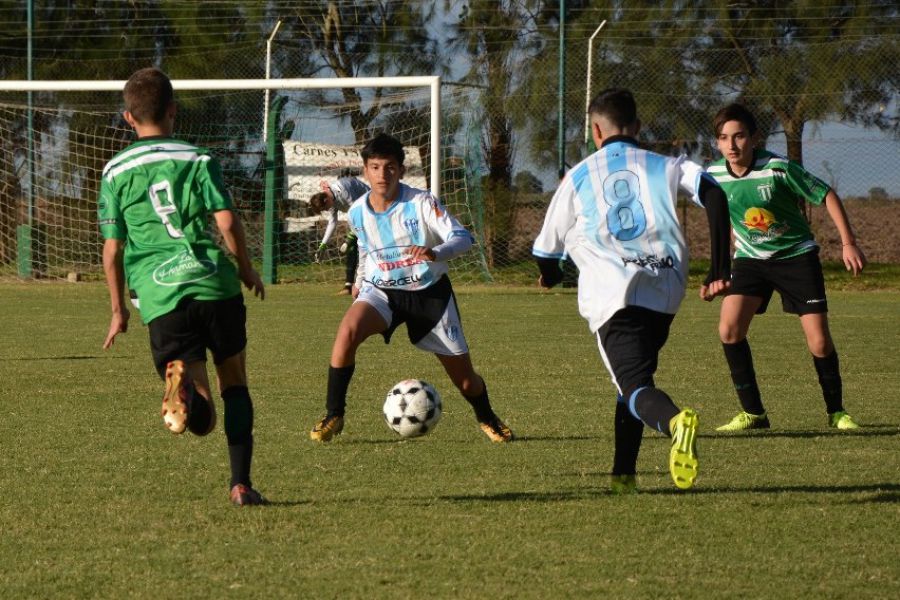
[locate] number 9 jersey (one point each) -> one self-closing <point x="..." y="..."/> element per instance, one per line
<point x="615" y="215"/>
<point x="157" y="195"/>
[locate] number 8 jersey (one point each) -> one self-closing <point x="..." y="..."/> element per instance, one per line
<point x="614" y="214"/>
<point x="157" y="195"/>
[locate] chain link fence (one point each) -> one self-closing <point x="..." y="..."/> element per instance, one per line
<point x="498" y="151"/>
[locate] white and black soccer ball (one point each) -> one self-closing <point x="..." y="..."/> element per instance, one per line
<point x="412" y="408"/>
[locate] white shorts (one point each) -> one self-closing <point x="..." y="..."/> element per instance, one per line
<point x="444" y="337"/>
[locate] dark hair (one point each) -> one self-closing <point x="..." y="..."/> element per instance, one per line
<point x="617" y="105"/>
<point x="318" y="202"/>
<point x="734" y="112"/>
<point x="383" y="146"/>
<point x="148" y="94"/>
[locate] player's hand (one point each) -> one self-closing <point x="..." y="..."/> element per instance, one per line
<point x="117" y="324"/>
<point x="343" y="248"/>
<point x="354" y="291"/>
<point x="253" y="281"/>
<point x="854" y="259"/>
<point x="421" y="253"/>
<point x="715" y="288"/>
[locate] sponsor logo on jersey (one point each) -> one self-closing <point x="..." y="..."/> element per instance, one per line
<point x="650" y="261"/>
<point x="398" y="264"/>
<point x="183" y="268"/>
<point x="399" y="281"/>
<point x="758" y="219"/>
<point x="762" y="226"/>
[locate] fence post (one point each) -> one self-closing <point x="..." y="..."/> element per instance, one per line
<point x="274" y="189"/>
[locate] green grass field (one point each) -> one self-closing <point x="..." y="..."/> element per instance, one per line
<point x="99" y="500"/>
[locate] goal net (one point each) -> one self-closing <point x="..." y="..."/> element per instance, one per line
<point x="275" y="147"/>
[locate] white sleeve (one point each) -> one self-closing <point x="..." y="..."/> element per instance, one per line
<point x="455" y="239"/>
<point x="361" y="264"/>
<point x="559" y="220"/>
<point x="329" y="229"/>
<point x="690" y="176"/>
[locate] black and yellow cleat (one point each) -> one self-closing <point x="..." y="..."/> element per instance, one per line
<point x="327" y="428"/>
<point x="683" y="461"/>
<point x="496" y="430"/>
<point x="176" y="403"/>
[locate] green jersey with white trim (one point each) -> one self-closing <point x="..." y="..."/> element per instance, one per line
<point x="157" y="195"/>
<point x="764" y="206"/>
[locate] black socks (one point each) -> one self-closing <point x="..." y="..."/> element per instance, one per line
<point x="629" y="431"/>
<point x="829" y="372"/>
<point x="239" y="432"/>
<point x="654" y="407"/>
<point x="740" y="363"/>
<point x="482" y="406"/>
<point x="338" y="383"/>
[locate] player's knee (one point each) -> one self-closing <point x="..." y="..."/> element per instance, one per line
<point x="731" y="333"/>
<point x="820" y="345"/>
<point x="238" y="414"/>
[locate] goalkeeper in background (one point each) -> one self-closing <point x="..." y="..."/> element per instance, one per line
<point x="335" y="197"/>
<point x="614" y="214"/>
<point x="155" y="198"/>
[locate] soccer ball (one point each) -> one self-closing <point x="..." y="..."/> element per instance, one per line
<point x="412" y="408"/>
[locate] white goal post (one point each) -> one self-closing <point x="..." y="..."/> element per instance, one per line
<point x="431" y="81"/>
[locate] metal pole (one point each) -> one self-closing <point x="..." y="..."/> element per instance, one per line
<point x="24" y="232"/>
<point x="587" y="96"/>
<point x="436" y="137"/>
<point x="268" y="76"/>
<point x="561" y="125"/>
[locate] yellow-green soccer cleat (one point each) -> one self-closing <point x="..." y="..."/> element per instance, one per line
<point x="841" y="420"/>
<point x="744" y="421"/>
<point x="176" y="403"/>
<point x="496" y="430"/>
<point x="683" y="455"/>
<point x="622" y="485"/>
<point x="327" y="428"/>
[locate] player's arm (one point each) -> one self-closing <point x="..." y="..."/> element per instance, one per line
<point x="716" y="204"/>
<point x="854" y="259"/>
<point x="232" y="231"/>
<point x="551" y="271"/>
<point x="456" y="239"/>
<point x="549" y="246"/>
<point x="115" y="283"/>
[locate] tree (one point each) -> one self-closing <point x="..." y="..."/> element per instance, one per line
<point x="498" y="41"/>
<point x="804" y="60"/>
<point x="372" y="39"/>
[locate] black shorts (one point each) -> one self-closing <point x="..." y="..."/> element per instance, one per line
<point x="195" y="326"/>
<point x="421" y="310"/>
<point x="799" y="281"/>
<point x="630" y="342"/>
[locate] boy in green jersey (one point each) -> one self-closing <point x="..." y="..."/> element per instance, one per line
<point x="155" y="198"/>
<point x="775" y="250"/>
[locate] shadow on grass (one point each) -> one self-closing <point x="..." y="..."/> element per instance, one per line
<point x="92" y="357"/>
<point x="868" y="431"/>
<point x="884" y="492"/>
<point x="282" y="503"/>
